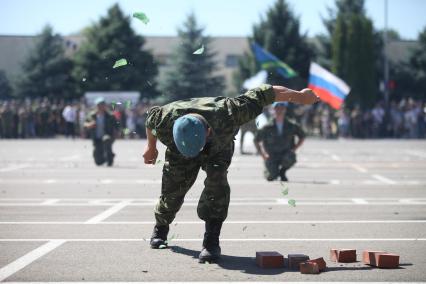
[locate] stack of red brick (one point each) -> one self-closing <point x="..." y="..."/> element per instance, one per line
<point x="272" y="259"/>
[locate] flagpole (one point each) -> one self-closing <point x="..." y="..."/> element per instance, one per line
<point x="385" y="55"/>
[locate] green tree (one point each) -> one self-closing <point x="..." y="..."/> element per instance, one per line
<point x="192" y="75"/>
<point x="5" y="88"/>
<point x="279" y="33"/>
<point x="106" y="41"/>
<point x="418" y="63"/>
<point x="46" y="71"/>
<point x="353" y="54"/>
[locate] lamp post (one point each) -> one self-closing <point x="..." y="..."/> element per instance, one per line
<point x="385" y="56"/>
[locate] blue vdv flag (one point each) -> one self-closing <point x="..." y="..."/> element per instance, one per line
<point x="270" y="61"/>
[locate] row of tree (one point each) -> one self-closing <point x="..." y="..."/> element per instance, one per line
<point x="352" y="49"/>
<point x="50" y="71"/>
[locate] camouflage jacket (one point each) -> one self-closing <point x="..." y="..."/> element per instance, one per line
<point x="224" y="115"/>
<point x="110" y="124"/>
<point x="273" y="142"/>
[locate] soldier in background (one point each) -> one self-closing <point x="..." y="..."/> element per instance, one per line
<point x="276" y="143"/>
<point x="102" y="128"/>
<point x="200" y="133"/>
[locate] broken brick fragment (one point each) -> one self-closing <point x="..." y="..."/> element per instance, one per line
<point x="309" y="268"/>
<point x="322" y="265"/>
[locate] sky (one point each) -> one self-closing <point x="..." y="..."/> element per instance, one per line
<point x="219" y="17"/>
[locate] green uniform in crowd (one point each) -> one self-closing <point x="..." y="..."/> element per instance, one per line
<point x="279" y="147"/>
<point x="224" y="116"/>
<point x="102" y="126"/>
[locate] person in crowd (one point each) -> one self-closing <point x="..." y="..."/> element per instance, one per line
<point x="276" y="143"/>
<point x="102" y="127"/>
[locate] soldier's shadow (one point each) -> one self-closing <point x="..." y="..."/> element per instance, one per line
<point x="240" y="263"/>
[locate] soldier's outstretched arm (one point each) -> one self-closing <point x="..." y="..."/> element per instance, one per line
<point x="246" y="107"/>
<point x="305" y="96"/>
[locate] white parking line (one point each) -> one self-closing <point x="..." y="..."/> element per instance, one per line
<point x="226" y="240"/>
<point x="109" y="212"/>
<point x="50" y="201"/>
<point x="384" y="179"/>
<point x="359" y="168"/>
<point x="14" y="168"/>
<point x="359" y="201"/>
<point x="335" y="158"/>
<point x="50" y="181"/>
<point x="30" y="257"/>
<point x="226" y="222"/>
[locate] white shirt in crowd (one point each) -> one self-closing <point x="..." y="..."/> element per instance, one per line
<point x="70" y="114"/>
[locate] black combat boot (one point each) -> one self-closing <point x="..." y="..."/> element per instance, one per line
<point x="211" y="249"/>
<point x="159" y="236"/>
<point x="283" y="175"/>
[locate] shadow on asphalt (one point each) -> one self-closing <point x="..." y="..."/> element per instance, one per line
<point x="229" y="262"/>
<point x="248" y="264"/>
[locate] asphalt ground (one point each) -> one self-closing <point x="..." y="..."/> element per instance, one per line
<point x="64" y="219"/>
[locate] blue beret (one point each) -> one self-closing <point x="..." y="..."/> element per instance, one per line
<point x="280" y="104"/>
<point x="189" y="134"/>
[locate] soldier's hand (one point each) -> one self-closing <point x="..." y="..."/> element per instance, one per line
<point x="309" y="97"/>
<point x="150" y="155"/>
<point x="91" y="125"/>
<point x="265" y="156"/>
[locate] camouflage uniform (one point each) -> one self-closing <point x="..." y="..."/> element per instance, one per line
<point x="279" y="147"/>
<point x="103" y="145"/>
<point x="224" y="116"/>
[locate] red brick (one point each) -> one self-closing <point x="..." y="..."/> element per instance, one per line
<point x="320" y="262"/>
<point x="309" y="268"/>
<point x="334" y="254"/>
<point x="387" y="260"/>
<point x="369" y="256"/>
<point x="343" y="255"/>
<point x="269" y="259"/>
<point x="294" y="260"/>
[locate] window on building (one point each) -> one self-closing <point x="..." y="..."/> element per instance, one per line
<point x="231" y="60"/>
<point x="162" y="59"/>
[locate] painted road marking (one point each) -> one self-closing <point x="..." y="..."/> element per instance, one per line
<point x="359" y="168"/>
<point x="50" y="201"/>
<point x="108" y="213"/>
<point x="225" y="240"/>
<point x="14" y="168"/>
<point x="359" y="201"/>
<point x="384" y="179"/>
<point x="226" y="222"/>
<point x="30" y="257"/>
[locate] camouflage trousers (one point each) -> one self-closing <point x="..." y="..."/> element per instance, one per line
<point x="180" y="173"/>
<point x="278" y="163"/>
<point x="103" y="151"/>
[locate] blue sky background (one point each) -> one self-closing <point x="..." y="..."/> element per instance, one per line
<point x="219" y="17"/>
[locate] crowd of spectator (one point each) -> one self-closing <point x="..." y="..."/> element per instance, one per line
<point x="403" y="119"/>
<point x="43" y="118"/>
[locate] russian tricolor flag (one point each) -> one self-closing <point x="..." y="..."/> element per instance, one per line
<point x="327" y="86"/>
